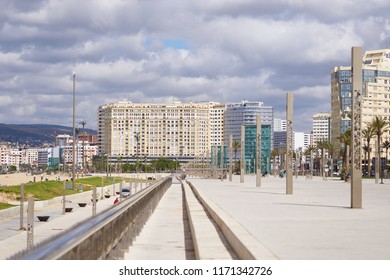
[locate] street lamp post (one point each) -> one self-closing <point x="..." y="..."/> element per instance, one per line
<point x="74" y="131"/>
<point x="83" y="123"/>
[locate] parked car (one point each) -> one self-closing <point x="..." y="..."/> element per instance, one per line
<point x="125" y="192"/>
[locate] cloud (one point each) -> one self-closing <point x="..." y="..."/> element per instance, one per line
<point x="148" y="50"/>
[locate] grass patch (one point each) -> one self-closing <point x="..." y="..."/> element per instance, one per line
<point x="49" y="189"/>
<point x="4" y="205"/>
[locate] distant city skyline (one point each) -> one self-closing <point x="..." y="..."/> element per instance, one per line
<point x="145" y="51"/>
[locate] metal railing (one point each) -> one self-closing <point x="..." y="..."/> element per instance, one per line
<point x="100" y="236"/>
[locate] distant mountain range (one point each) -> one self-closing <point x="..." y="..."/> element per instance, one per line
<point x="34" y="134"/>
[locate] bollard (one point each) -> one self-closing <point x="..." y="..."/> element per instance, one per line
<point x="63" y="199"/>
<point x="94" y="201"/>
<point x="21" y="207"/>
<point x="101" y="188"/>
<point x="30" y="221"/>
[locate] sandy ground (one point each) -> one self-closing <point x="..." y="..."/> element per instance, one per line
<point x="20" y="178"/>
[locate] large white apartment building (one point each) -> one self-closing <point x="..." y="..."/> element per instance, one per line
<point x="4" y="154"/>
<point x="376" y="101"/>
<point x="217" y="113"/>
<point x="138" y="130"/>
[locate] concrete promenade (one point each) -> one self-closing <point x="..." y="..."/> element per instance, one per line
<point x="314" y="223"/>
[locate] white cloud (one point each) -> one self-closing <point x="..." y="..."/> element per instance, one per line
<point x="233" y="50"/>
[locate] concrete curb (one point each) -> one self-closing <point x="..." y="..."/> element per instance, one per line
<point x="245" y="245"/>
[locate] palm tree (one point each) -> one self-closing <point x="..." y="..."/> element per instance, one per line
<point x="380" y="126"/>
<point x="332" y="148"/>
<point x="368" y="134"/>
<point x="236" y="146"/>
<point x="386" y="146"/>
<point x="322" y="145"/>
<point x="308" y="153"/>
<point x="345" y="140"/>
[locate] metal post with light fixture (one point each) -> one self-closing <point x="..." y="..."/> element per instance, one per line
<point x="74" y="131"/>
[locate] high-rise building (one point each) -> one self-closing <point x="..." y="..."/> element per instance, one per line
<point x="242" y="113"/>
<point x="216" y="125"/>
<point x="375" y="92"/>
<point x="307" y="140"/>
<point x="321" y="127"/>
<point x="280" y="125"/>
<point x="150" y="130"/>
<point x="250" y="148"/>
<point x="376" y="89"/>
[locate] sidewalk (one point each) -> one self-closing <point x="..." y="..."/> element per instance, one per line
<point x="315" y="222"/>
<point x="13" y="240"/>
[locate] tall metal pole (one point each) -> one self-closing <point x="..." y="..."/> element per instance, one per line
<point x="222" y="163"/>
<point x="258" y="151"/>
<point x="74" y="131"/>
<point x="242" y="148"/>
<point x="30" y="221"/>
<point x="83" y="123"/>
<point x="289" y="148"/>
<point x="230" y="157"/>
<point x="311" y="164"/>
<point x="21" y="227"/>
<point x="377" y="157"/>
<point x="356" y="180"/>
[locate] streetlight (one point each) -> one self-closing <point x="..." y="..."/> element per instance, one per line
<point x="83" y="123"/>
<point x="74" y="130"/>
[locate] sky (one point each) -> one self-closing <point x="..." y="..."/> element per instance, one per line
<point x="165" y="50"/>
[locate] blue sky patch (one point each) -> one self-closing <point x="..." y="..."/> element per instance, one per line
<point x="175" y="43"/>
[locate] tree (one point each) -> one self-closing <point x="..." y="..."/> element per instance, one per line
<point x="332" y="148"/>
<point x="308" y="154"/>
<point x="386" y="146"/>
<point x="236" y="145"/>
<point x="380" y="126"/>
<point x="368" y="134"/>
<point x="322" y="145"/>
<point x="345" y="140"/>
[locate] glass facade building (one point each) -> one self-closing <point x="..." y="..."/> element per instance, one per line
<point x="250" y="148"/>
<point x="244" y="113"/>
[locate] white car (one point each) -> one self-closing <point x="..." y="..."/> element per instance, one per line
<point x="125" y="192"/>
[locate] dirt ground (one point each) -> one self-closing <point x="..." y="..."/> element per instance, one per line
<point x="20" y="178"/>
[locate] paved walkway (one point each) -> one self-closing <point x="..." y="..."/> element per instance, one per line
<point x="13" y="240"/>
<point x="315" y="222"/>
<point x="165" y="236"/>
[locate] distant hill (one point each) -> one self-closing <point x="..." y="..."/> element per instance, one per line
<point x="33" y="134"/>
